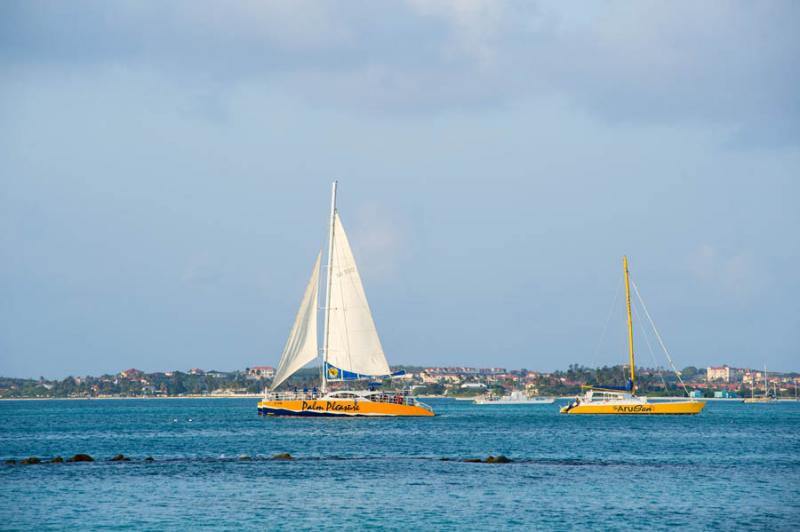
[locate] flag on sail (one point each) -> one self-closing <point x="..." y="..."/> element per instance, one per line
<point x="333" y="373"/>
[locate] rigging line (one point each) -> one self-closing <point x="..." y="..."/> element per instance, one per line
<point x="343" y="308"/>
<point x="658" y="336"/>
<point x="608" y="320"/>
<point x="649" y="345"/>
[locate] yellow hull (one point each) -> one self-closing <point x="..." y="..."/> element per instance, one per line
<point x="668" y="408"/>
<point x="338" y="407"/>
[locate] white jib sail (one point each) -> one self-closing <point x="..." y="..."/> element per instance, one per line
<point x="353" y="343"/>
<point x="301" y="347"/>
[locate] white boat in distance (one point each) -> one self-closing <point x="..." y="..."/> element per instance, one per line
<point x="517" y="397"/>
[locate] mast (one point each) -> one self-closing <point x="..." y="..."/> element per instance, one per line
<point x="630" y="323"/>
<point x="328" y="291"/>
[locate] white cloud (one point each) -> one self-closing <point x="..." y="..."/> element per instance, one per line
<point x="733" y="275"/>
<point x="380" y="241"/>
<point x="474" y="27"/>
<point x="728" y="63"/>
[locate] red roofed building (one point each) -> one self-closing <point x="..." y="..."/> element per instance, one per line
<point x="261" y="372"/>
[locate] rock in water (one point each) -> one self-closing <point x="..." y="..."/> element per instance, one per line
<point x="81" y="458"/>
<point x="30" y="460"/>
<point x="10" y="461"/>
<point x="120" y="458"/>
<point x="57" y="460"/>
<point x="149" y="459"/>
<point x="283" y="456"/>
<point x="244" y="458"/>
<point x="499" y="459"/>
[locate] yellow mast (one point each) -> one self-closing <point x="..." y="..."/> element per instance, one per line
<point x="630" y="323"/>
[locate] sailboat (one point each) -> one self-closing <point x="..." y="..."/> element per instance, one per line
<point x="766" y="398"/>
<point x="351" y="347"/>
<point x="623" y="400"/>
<point x="516" y="397"/>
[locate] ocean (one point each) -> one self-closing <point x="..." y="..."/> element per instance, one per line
<point x="735" y="466"/>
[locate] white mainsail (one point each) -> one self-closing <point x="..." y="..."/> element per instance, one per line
<point x="352" y="344"/>
<point x="301" y="347"/>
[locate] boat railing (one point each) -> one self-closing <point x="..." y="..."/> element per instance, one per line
<point x="397" y="398"/>
<point x="293" y="396"/>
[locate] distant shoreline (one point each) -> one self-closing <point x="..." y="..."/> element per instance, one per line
<point x="117" y="398"/>
<point x="259" y="396"/>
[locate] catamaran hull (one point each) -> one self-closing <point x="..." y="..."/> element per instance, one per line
<point x="339" y="408"/>
<point x="667" y="408"/>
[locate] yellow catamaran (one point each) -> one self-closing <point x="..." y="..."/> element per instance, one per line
<point x="614" y="400"/>
<point x="351" y="347"/>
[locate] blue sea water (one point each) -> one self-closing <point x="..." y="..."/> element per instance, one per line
<point x="735" y="466"/>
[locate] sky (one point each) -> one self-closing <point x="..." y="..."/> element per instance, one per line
<point x="165" y="172"/>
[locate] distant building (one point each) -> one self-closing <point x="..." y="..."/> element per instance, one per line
<point x="492" y="371"/>
<point x="196" y="371"/>
<point x="722" y="374"/>
<point x="695" y="394"/>
<point x="464" y="371"/>
<point x="452" y="371"/>
<point x="261" y="372"/>
<point x="131" y="373"/>
<point x="532" y="389"/>
<point x="428" y="378"/>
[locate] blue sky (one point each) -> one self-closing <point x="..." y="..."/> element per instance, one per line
<point x="165" y="171"/>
